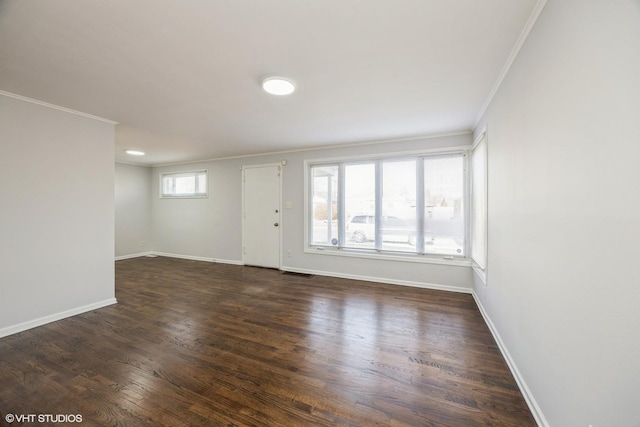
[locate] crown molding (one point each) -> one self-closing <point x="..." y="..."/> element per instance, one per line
<point x="512" y="56"/>
<point x="319" y="148"/>
<point x="56" y="107"/>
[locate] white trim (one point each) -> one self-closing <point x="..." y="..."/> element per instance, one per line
<point x="526" y="392"/>
<point x="227" y="261"/>
<point x="10" y="330"/>
<point x="319" y="147"/>
<point x="197" y="258"/>
<point x="132" y="164"/>
<point x="305" y="209"/>
<point x="458" y="149"/>
<point x="535" y="13"/>
<point x="388" y="256"/>
<point x="385" y="280"/>
<point x="483" y="134"/>
<point x="56" y="107"/>
<point x="189" y="173"/>
<point x="190" y="257"/>
<point x="482" y="274"/>
<point x="138" y="255"/>
<point x="484" y="187"/>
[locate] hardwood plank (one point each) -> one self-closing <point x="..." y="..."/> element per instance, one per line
<point x="197" y="343"/>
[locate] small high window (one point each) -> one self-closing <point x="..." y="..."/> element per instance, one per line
<point x="184" y="184"/>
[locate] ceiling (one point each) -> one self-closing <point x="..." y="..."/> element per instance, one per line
<point x="182" y="78"/>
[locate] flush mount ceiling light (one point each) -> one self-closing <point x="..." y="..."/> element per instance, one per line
<point x="135" y="152"/>
<point x="278" y="86"/>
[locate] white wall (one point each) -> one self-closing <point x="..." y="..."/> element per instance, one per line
<point x="564" y="213"/>
<point x="56" y="214"/>
<point x="132" y="210"/>
<point x="212" y="228"/>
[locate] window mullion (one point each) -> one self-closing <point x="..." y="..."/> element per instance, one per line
<point x="310" y="214"/>
<point x="420" y="205"/>
<point x="378" y="204"/>
<point x="342" y="233"/>
<point x="329" y="206"/>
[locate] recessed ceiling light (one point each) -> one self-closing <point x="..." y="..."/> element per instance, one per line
<point x="278" y="86"/>
<point x="135" y="152"/>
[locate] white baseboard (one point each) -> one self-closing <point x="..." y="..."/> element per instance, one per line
<point x="14" y="329"/>
<point x="198" y="258"/>
<point x="526" y="392"/>
<point x="138" y="255"/>
<point x="228" y="261"/>
<point x="424" y="285"/>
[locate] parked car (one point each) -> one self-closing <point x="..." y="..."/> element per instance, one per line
<point x="361" y="228"/>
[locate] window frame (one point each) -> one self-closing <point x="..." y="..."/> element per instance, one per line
<point x="479" y="265"/>
<point x="193" y="173"/>
<point x="421" y="257"/>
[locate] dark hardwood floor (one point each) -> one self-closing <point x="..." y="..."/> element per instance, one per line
<point x="197" y="343"/>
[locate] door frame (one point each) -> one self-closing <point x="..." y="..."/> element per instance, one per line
<point x="242" y="214"/>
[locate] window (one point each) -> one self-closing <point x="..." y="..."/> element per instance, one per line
<point x="396" y="205"/>
<point x="324" y="205"/>
<point x="359" y="204"/>
<point x="184" y="184"/>
<point x="444" y="225"/>
<point x="479" y="203"/>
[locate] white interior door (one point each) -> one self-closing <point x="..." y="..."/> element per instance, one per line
<point x="261" y="216"/>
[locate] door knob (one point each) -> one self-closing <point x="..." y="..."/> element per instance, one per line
<point x="275" y="225"/>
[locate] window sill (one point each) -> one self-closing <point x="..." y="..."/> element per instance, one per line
<point x="388" y="256"/>
<point x="203" y="196"/>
